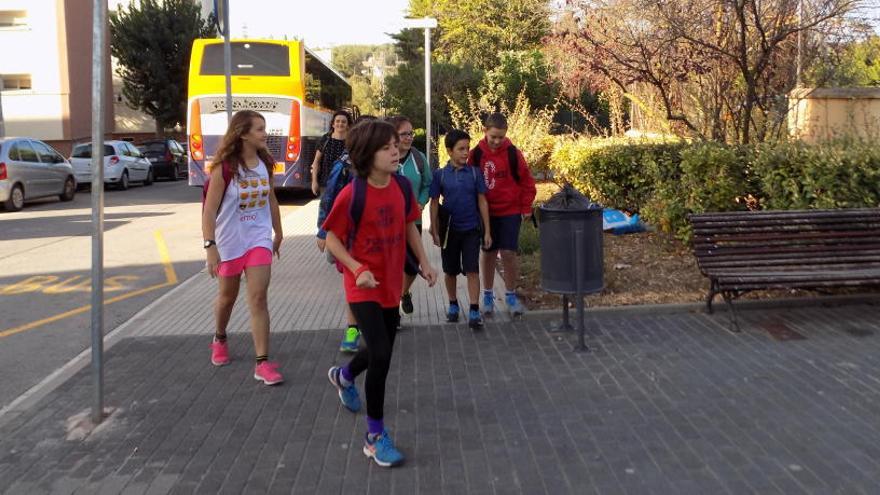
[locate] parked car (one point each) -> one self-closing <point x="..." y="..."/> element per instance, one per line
<point x="30" y="168"/>
<point x="167" y="156"/>
<point x="123" y="164"/>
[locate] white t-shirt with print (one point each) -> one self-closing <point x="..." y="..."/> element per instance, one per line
<point x="245" y="221"/>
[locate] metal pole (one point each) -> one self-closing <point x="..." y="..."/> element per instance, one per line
<point x="566" y="323"/>
<point x="428" y="147"/>
<point x="800" y="43"/>
<point x="578" y="269"/>
<point x="227" y="60"/>
<point x="2" y="122"/>
<point x="99" y="8"/>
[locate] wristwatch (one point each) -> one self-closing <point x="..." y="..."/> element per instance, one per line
<point x="209" y="243"/>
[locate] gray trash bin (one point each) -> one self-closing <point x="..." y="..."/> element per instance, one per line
<point x="570" y="235"/>
<point x="566" y="220"/>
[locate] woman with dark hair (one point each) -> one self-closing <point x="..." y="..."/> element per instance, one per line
<point x="372" y="249"/>
<point x="330" y="148"/>
<point x="238" y="217"/>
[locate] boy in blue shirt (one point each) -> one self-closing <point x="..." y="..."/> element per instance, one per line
<point x="464" y="225"/>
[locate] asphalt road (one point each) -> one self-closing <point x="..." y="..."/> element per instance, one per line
<point x="152" y="242"/>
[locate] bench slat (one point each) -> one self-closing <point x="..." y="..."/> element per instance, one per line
<point x="842" y="263"/>
<point x="764" y="214"/>
<point x="778" y="251"/>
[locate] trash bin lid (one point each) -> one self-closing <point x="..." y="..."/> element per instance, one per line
<point x="569" y="199"/>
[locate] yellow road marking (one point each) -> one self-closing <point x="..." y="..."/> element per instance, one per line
<point x="170" y="275"/>
<point x="171" y="279"/>
<point x="80" y="310"/>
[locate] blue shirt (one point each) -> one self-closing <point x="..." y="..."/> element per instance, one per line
<point x="459" y="188"/>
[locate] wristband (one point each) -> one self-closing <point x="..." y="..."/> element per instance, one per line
<point x="361" y="269"/>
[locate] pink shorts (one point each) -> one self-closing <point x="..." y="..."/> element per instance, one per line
<point x="257" y="256"/>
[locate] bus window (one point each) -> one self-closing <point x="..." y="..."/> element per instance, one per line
<point x="248" y="59"/>
<point x="324" y="86"/>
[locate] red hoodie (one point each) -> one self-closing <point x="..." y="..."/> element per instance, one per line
<point x="504" y="195"/>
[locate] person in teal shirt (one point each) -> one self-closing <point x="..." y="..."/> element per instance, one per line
<point x="414" y="166"/>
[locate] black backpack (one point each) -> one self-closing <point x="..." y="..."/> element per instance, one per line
<point x="512" y="160"/>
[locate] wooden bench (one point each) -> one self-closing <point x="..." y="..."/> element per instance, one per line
<point x="795" y="249"/>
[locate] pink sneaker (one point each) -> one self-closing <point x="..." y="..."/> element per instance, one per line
<point x="267" y="373"/>
<point x="219" y="353"/>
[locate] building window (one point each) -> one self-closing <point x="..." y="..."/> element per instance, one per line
<point x="16" y="81"/>
<point x="13" y="19"/>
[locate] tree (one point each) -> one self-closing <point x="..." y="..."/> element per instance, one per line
<point x="850" y="63"/>
<point x="476" y="31"/>
<point x="718" y="69"/>
<point x="349" y="59"/>
<point x="152" y="42"/>
<point x="405" y="93"/>
<point x="520" y="72"/>
<point x="365" y="94"/>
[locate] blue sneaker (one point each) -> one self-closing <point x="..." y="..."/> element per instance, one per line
<point x="452" y="313"/>
<point x="350" y="341"/>
<point x="474" y="320"/>
<point x="488" y="303"/>
<point x="347" y="395"/>
<point x="382" y="450"/>
<point x="516" y="308"/>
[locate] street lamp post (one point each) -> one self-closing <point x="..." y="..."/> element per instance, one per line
<point x="426" y="23"/>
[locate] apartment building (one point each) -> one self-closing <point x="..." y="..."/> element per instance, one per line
<point x="46" y="68"/>
<point x="129" y="123"/>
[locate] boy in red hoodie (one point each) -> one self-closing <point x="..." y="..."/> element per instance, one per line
<point x="510" y="193"/>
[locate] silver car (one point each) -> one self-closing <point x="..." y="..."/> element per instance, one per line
<point x="30" y="168"/>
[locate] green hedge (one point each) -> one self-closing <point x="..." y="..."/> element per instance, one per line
<point x="664" y="181"/>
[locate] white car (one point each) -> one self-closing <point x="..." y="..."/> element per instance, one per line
<point x="123" y="164"/>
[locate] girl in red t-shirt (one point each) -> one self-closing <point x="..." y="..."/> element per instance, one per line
<point x="373" y="275"/>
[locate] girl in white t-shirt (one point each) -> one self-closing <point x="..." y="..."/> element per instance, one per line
<point x="240" y="213"/>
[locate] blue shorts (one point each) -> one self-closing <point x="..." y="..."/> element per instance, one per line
<point x="505" y="232"/>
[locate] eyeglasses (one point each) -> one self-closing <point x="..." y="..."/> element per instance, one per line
<point x="406" y="134"/>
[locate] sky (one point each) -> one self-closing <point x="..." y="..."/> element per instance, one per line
<point x="320" y="23"/>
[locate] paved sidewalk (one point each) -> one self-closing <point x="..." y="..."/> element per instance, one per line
<point x="305" y="293"/>
<point x="664" y="403"/>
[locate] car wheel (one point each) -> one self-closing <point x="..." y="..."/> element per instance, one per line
<point x="149" y="180"/>
<point x="15" y="202"/>
<point x="69" y="190"/>
<point x="123" y="181"/>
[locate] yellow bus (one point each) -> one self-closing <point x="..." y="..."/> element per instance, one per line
<point x="283" y="80"/>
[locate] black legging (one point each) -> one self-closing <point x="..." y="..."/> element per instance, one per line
<point x="378" y="326"/>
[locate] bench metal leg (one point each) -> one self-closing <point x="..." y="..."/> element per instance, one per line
<point x="713" y="290"/>
<point x="729" y="296"/>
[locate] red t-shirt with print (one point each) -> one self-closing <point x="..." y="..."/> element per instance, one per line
<point x="380" y="242"/>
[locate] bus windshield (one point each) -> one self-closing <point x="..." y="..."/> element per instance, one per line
<point x="248" y="59"/>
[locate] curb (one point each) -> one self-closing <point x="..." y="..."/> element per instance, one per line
<point x="47" y="385"/>
<point x="718" y="306"/>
